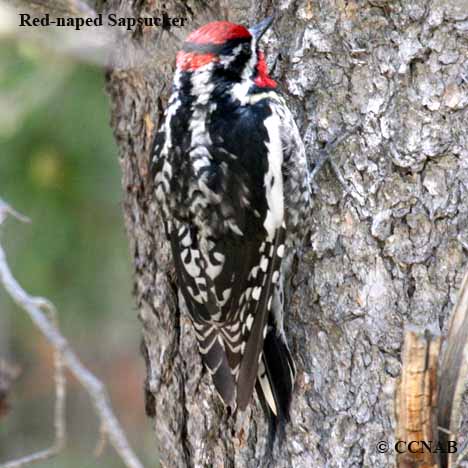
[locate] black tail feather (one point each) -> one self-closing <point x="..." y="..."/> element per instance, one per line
<point x="278" y="378"/>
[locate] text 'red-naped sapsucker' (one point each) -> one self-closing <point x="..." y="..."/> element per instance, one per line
<point x="231" y="178"/>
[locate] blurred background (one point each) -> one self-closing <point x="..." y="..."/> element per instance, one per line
<point x="59" y="167"/>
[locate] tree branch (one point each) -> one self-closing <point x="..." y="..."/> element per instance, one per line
<point x="111" y="47"/>
<point x="36" y="308"/>
<point x="59" y="419"/>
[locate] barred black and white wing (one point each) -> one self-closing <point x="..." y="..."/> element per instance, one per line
<point x="229" y="293"/>
<point x="296" y="176"/>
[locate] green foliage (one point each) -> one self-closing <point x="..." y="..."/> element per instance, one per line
<point x="59" y="166"/>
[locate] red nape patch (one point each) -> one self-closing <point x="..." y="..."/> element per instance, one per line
<point x="263" y="80"/>
<point x="190" y="61"/>
<point x="218" y="32"/>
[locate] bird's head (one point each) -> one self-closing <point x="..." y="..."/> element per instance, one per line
<point x="228" y="52"/>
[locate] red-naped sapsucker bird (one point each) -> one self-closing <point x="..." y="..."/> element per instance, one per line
<point x="232" y="181"/>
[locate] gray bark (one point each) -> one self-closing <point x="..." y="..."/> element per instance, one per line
<point x="388" y="251"/>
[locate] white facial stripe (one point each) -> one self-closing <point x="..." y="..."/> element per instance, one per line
<point x="241" y="89"/>
<point x="226" y="60"/>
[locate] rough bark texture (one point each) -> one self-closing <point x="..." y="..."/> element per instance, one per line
<point x="386" y="252"/>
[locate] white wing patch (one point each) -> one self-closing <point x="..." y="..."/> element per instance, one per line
<point x="274" y="177"/>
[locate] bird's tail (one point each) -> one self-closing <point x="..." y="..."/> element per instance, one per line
<point x="275" y="383"/>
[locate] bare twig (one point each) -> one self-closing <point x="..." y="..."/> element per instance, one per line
<point x="64" y="356"/>
<point x="6" y="210"/>
<point x="60" y="395"/>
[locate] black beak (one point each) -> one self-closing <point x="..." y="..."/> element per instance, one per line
<point x="259" y="29"/>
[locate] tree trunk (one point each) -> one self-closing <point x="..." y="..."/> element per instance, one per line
<point x="385" y="252"/>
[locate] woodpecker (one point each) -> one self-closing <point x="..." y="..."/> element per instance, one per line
<point x="232" y="181"/>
